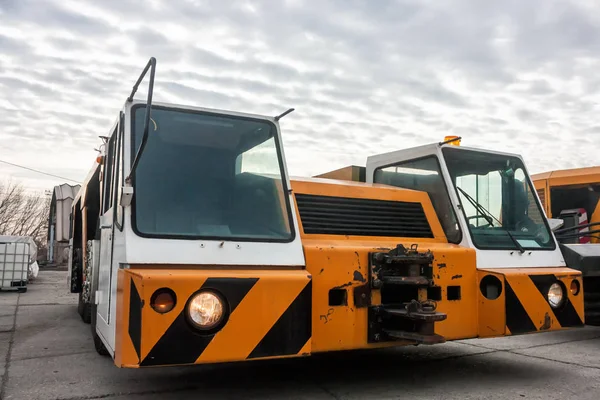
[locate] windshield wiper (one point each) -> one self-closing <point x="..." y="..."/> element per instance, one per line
<point x="483" y="210"/>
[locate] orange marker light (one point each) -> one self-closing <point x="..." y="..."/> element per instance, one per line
<point x="575" y="287"/>
<point x="163" y="301"/>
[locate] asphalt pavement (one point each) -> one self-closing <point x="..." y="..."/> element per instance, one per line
<point x="46" y="352"/>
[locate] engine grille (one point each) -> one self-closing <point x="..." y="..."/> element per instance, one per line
<point x="330" y="215"/>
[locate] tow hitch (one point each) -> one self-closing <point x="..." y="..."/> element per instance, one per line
<point x="402" y="276"/>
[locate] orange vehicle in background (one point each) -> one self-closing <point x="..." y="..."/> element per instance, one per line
<point x="573" y="196"/>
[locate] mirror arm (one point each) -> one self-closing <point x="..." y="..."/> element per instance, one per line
<point x="152" y="67"/>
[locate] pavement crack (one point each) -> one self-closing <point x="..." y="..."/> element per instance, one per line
<point x="477" y="345"/>
<point x="531" y="347"/>
<point x="554" y="360"/>
<point x="557" y="343"/>
<point x="329" y="392"/>
<point x="9" y="352"/>
<point x="129" y="394"/>
<point x="54" y="355"/>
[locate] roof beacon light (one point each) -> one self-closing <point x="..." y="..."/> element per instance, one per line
<point x="452" y="140"/>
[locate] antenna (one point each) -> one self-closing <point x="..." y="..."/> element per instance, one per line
<point x="277" y="118"/>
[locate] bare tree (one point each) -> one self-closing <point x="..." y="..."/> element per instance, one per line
<point x="23" y="214"/>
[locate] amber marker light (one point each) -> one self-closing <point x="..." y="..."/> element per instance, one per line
<point x="575" y="287"/>
<point x="452" y="140"/>
<point x="163" y="300"/>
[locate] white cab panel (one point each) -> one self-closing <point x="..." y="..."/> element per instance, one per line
<point x="485" y="258"/>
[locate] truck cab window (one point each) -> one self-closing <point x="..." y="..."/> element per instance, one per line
<point x="424" y="174"/>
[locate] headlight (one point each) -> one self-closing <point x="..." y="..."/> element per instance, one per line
<point x="555" y="295"/>
<point x="206" y="310"/>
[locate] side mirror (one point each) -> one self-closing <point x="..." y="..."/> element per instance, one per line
<point x="126" y="196"/>
<point x="555" y="223"/>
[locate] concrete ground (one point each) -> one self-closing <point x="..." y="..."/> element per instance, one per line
<point x="46" y="352"/>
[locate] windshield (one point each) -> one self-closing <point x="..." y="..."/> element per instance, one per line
<point x="497" y="200"/>
<point x="208" y="176"/>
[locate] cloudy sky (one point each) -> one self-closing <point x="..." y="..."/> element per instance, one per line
<point x="364" y="76"/>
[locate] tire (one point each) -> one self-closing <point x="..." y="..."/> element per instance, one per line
<point x="22" y="290"/>
<point x="87" y="314"/>
<point x="98" y="345"/>
<point x="84" y="310"/>
<point x="80" y="305"/>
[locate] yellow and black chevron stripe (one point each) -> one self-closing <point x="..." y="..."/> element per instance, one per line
<point x="268" y="315"/>
<point x="526" y="307"/>
<point x="520" y="316"/>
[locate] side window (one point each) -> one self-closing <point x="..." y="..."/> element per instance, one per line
<point x="107" y="186"/>
<point x="261" y="159"/>
<point x="259" y="189"/>
<point x="424" y="174"/>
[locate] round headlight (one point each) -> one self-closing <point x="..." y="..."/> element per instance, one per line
<point x="555" y="295"/>
<point x="206" y="310"/>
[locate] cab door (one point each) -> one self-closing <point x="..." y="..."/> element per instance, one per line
<point x="104" y="289"/>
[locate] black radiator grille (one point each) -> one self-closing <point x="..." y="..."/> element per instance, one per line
<point x="362" y="217"/>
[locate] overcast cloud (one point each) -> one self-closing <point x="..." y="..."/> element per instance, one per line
<point x="364" y="76"/>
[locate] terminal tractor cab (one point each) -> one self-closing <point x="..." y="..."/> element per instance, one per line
<point x="486" y="203"/>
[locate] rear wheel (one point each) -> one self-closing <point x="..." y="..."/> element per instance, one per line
<point x="100" y="348"/>
<point x="80" y="305"/>
<point x="84" y="309"/>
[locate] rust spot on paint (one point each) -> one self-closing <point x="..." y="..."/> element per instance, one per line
<point x="547" y="323"/>
<point x="342" y="286"/>
<point x="359" y="277"/>
<point x="441" y="265"/>
<point x="457" y="277"/>
<point x="325" y="317"/>
<point x="321" y="271"/>
<point x="357" y="258"/>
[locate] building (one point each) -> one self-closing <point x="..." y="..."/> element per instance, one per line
<point x="59" y="222"/>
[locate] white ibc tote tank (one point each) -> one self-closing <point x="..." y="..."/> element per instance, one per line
<point x="18" y="261"/>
